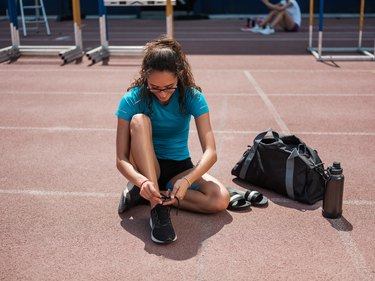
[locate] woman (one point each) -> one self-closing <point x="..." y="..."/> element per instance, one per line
<point x="152" y="141"/>
<point x="287" y="14"/>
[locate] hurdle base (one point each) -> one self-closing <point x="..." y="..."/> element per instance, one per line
<point x="11" y="54"/>
<point x="363" y="54"/>
<point x="67" y="53"/>
<point x="98" y="54"/>
<point x="103" y="53"/>
<point x="72" y="54"/>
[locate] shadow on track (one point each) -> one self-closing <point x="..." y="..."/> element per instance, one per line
<point x="192" y="230"/>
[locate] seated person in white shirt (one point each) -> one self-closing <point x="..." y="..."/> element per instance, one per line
<point x="287" y="14"/>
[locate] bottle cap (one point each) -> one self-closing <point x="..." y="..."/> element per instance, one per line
<point x="336" y="168"/>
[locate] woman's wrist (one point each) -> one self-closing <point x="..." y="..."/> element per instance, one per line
<point x="143" y="182"/>
<point x="187" y="180"/>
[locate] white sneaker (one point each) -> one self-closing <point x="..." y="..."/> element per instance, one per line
<point x="267" y="31"/>
<point x="256" y="29"/>
<point x="245" y="28"/>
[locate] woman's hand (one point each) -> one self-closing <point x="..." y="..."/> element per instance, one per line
<point x="149" y="192"/>
<point x="178" y="192"/>
<point x="180" y="188"/>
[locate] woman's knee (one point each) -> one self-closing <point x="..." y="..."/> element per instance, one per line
<point x="139" y="122"/>
<point x="217" y="202"/>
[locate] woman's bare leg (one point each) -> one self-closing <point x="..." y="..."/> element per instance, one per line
<point x="269" y="18"/>
<point x="141" y="148"/>
<point x="277" y="20"/>
<point x="212" y="196"/>
<point x="284" y="19"/>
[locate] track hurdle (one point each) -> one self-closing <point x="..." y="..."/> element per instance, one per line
<point x="363" y="54"/>
<point x="66" y="53"/>
<point x="104" y="51"/>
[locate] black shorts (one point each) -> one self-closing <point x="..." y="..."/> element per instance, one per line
<point x="295" y="28"/>
<point x="171" y="168"/>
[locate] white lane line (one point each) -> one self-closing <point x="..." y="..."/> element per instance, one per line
<point x="297" y="70"/>
<point x="36" y="192"/>
<point x="71" y="129"/>
<point x="336" y="133"/>
<point x="114" y="93"/>
<point x="318" y="204"/>
<point x="359" y="202"/>
<point x="323" y="95"/>
<point x="284" y="128"/>
<point x="59" y="193"/>
<point x="347" y="240"/>
<point x="58" y="129"/>
<point x="111" y="68"/>
<point x="114" y="69"/>
<point x="353" y="252"/>
<point x="120" y="93"/>
<point x="299" y="133"/>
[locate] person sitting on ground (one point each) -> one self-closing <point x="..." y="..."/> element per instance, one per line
<point x="287" y="14"/>
<point x="152" y="141"/>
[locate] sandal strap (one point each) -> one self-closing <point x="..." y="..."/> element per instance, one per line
<point x="235" y="198"/>
<point x="253" y="196"/>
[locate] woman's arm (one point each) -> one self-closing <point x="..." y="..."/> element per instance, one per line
<point x="207" y="141"/>
<point x="278" y="7"/>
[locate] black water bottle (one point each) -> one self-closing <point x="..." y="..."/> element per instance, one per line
<point x="334" y="191"/>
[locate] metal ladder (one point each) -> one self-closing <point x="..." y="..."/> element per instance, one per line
<point x="38" y="6"/>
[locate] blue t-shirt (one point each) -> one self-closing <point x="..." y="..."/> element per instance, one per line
<point x="170" y="127"/>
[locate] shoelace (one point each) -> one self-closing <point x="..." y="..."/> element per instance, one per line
<point x="165" y="198"/>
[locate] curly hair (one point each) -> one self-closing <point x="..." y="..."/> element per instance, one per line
<point x="165" y="54"/>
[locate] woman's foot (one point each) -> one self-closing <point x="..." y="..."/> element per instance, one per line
<point x="162" y="231"/>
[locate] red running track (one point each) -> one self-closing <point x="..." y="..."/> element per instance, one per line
<point x="59" y="187"/>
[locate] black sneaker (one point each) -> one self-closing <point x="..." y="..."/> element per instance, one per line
<point x="162" y="230"/>
<point x="130" y="197"/>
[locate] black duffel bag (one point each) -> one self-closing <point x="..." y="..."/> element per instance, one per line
<point x="285" y="165"/>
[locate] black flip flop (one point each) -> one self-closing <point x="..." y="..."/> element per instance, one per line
<point x="256" y="198"/>
<point x="237" y="201"/>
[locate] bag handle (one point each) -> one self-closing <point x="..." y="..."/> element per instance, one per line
<point x="253" y="149"/>
<point x="262" y="135"/>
